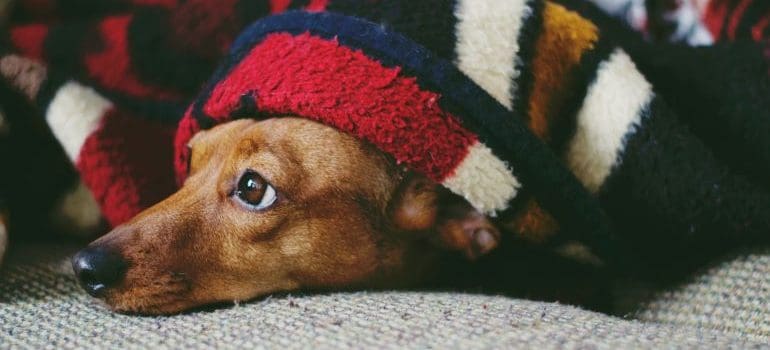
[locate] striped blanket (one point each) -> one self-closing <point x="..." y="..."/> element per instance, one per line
<point x="556" y="122"/>
<point x="695" y="22"/>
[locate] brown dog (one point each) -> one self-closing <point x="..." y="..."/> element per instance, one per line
<point x="279" y="205"/>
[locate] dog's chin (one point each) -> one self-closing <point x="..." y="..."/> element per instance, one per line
<point x="171" y="299"/>
<point x="148" y="307"/>
<point x="166" y="294"/>
<point x="144" y="302"/>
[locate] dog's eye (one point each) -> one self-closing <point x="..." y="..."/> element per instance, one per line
<point x="254" y="191"/>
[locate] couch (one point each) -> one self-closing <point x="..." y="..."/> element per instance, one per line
<point x="726" y="305"/>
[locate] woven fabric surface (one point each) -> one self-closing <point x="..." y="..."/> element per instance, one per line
<point x="42" y="307"/>
<point x="731" y="296"/>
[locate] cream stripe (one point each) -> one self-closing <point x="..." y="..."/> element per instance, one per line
<point x="484" y="180"/>
<point x="487" y="43"/>
<point x="75" y="113"/>
<point x="77" y="213"/>
<point x="612" y="109"/>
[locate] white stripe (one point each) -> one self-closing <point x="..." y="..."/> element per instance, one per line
<point x="75" y="113"/>
<point x="77" y="213"/>
<point x="487" y="44"/>
<point x="612" y="110"/>
<point x="483" y="180"/>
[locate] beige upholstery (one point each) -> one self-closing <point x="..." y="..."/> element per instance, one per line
<point x="41" y="306"/>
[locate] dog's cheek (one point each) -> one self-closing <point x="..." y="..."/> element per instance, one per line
<point x="329" y="252"/>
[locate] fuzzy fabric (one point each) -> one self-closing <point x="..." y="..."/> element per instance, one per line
<point x="531" y="112"/>
<point x="695" y="22"/>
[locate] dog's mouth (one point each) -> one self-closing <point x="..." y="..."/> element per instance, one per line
<point x="165" y="294"/>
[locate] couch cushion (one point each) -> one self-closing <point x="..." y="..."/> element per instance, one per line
<point x="732" y="295"/>
<point x="41" y="305"/>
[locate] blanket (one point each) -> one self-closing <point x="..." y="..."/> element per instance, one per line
<point x="536" y="115"/>
<point x="694" y="22"/>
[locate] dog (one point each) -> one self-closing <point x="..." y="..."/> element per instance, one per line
<point x="280" y="193"/>
<point x="247" y="223"/>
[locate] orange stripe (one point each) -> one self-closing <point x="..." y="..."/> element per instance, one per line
<point x="565" y="37"/>
<point x="533" y="223"/>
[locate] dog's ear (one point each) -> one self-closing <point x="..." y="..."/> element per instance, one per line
<point x="423" y="207"/>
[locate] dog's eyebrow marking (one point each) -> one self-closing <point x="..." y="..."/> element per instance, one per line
<point x="247" y="146"/>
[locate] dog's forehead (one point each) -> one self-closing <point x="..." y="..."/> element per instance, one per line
<point x="307" y="142"/>
<point x="321" y="155"/>
<point x="219" y="134"/>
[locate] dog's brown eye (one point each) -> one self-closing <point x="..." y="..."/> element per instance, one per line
<point x="254" y="191"/>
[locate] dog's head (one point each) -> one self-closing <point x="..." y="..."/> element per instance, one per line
<point x="279" y="205"/>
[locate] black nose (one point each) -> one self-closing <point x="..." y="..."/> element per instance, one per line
<point x="97" y="269"/>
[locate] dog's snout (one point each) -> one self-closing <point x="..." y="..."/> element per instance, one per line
<point x="98" y="269"/>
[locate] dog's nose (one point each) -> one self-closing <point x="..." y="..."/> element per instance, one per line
<point x="97" y="269"/>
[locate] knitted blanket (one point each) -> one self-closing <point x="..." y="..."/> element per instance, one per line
<point x="695" y="22"/>
<point x="538" y="116"/>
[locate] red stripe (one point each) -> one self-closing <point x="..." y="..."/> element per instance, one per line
<point x="125" y="165"/>
<point x="715" y="17"/>
<point x="111" y="67"/>
<point x="321" y="80"/>
<point x="29" y="39"/>
<point x="735" y="18"/>
<point x="162" y="3"/>
<point x="758" y="31"/>
<point x="317" y="5"/>
<point x="39" y="9"/>
<point x="278" y="6"/>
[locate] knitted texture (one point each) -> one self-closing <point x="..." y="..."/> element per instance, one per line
<point x="728" y="295"/>
<point x="525" y="109"/>
<point x="41" y="306"/>
<point x="695" y="22"/>
<point x="622" y="141"/>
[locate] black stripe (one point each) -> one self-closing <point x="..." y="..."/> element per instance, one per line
<point x="298" y="4"/>
<point x="35" y="169"/>
<point x="521" y="87"/>
<point x="670" y="196"/>
<point x="65" y="44"/>
<point x="247" y="11"/>
<point x="753" y="14"/>
<point x="247" y="105"/>
<point x="48" y="89"/>
<point x="94" y="9"/>
<point x="430" y="23"/>
<point x="564" y="125"/>
<point x="168" y="113"/>
<point x="515" y="206"/>
<point x="156" y="60"/>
